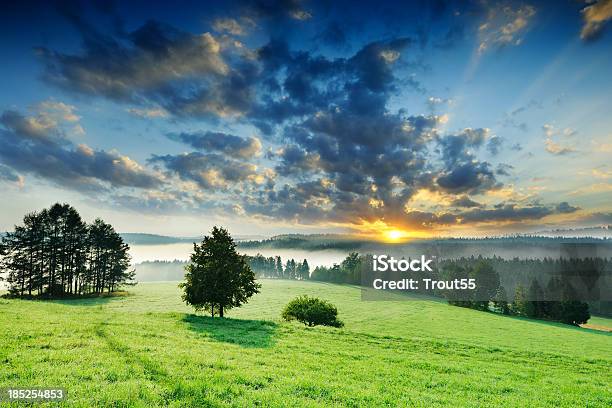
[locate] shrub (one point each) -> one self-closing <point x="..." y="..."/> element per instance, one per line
<point x="312" y="312"/>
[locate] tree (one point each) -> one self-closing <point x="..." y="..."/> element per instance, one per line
<point x="534" y="306"/>
<point x="351" y="267"/>
<point x="218" y="278"/>
<point x="520" y="300"/>
<point x="487" y="283"/>
<point x="304" y="270"/>
<point x="500" y="301"/>
<point x="290" y="269"/>
<point x="456" y="297"/>
<point x="312" y="312"/>
<point x="279" y="267"/>
<point x="55" y="253"/>
<point x="572" y="311"/>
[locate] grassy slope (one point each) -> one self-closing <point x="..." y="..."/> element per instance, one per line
<point x="146" y="349"/>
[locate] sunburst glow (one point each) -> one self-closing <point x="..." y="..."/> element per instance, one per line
<point x="395" y="235"/>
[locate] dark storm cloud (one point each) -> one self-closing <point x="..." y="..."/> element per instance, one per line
<point x="231" y="145"/>
<point x="30" y="145"/>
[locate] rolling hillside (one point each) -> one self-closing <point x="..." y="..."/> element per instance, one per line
<point x="148" y="349"/>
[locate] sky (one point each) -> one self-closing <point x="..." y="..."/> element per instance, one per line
<point x="384" y="119"/>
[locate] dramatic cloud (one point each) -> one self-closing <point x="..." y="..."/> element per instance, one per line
<point x="464" y="201"/>
<point x="340" y="146"/>
<point x="296" y="161"/>
<point x="504" y="26"/>
<point x="29" y="146"/>
<point x="181" y="72"/>
<point x="211" y="171"/>
<point x="595" y="17"/>
<point x="231" y="145"/>
<point x="462" y="173"/>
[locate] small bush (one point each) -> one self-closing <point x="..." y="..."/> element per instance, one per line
<point x="312" y="312"/>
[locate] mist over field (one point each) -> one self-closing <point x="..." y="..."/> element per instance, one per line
<point x="330" y="250"/>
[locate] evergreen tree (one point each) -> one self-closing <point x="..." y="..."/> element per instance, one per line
<point x="487" y="283"/>
<point x="279" y="267"/>
<point x="350" y="268"/>
<point x="217" y="277"/>
<point x="304" y="270"/>
<point x="500" y="301"/>
<point x="533" y="306"/>
<point x="55" y="253"/>
<point x="520" y="300"/>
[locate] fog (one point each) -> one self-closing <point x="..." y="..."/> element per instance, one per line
<point x="181" y="251"/>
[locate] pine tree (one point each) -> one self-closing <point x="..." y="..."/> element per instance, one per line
<point x="217" y="277"/>
<point x="55" y="253"/>
<point x="304" y="270"/>
<point x="279" y="267"/>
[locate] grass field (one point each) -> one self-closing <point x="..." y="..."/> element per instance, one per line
<point x="148" y="349"/>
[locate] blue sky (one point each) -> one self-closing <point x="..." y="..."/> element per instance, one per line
<point x="429" y="118"/>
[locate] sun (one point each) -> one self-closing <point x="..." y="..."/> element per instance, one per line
<point x="395" y="235"/>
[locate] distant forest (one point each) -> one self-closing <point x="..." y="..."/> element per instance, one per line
<point x="506" y="247"/>
<point x="513" y="276"/>
<point x="271" y="267"/>
<point x="54" y="253"/>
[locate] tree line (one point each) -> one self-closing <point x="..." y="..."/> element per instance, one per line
<point x="273" y="267"/>
<point x="534" y="288"/>
<point x="557" y="301"/>
<point x="55" y="253"/>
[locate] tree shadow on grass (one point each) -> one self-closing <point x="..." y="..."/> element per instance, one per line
<point x="244" y="333"/>
<point x="89" y="300"/>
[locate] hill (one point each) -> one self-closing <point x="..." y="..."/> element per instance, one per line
<point x="508" y="247"/>
<point x="148" y="349"/>
<point x="138" y="238"/>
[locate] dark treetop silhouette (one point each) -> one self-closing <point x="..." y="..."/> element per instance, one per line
<point x="55" y="253"/>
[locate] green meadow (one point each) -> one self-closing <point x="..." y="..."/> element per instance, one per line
<point x="148" y="349"/>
